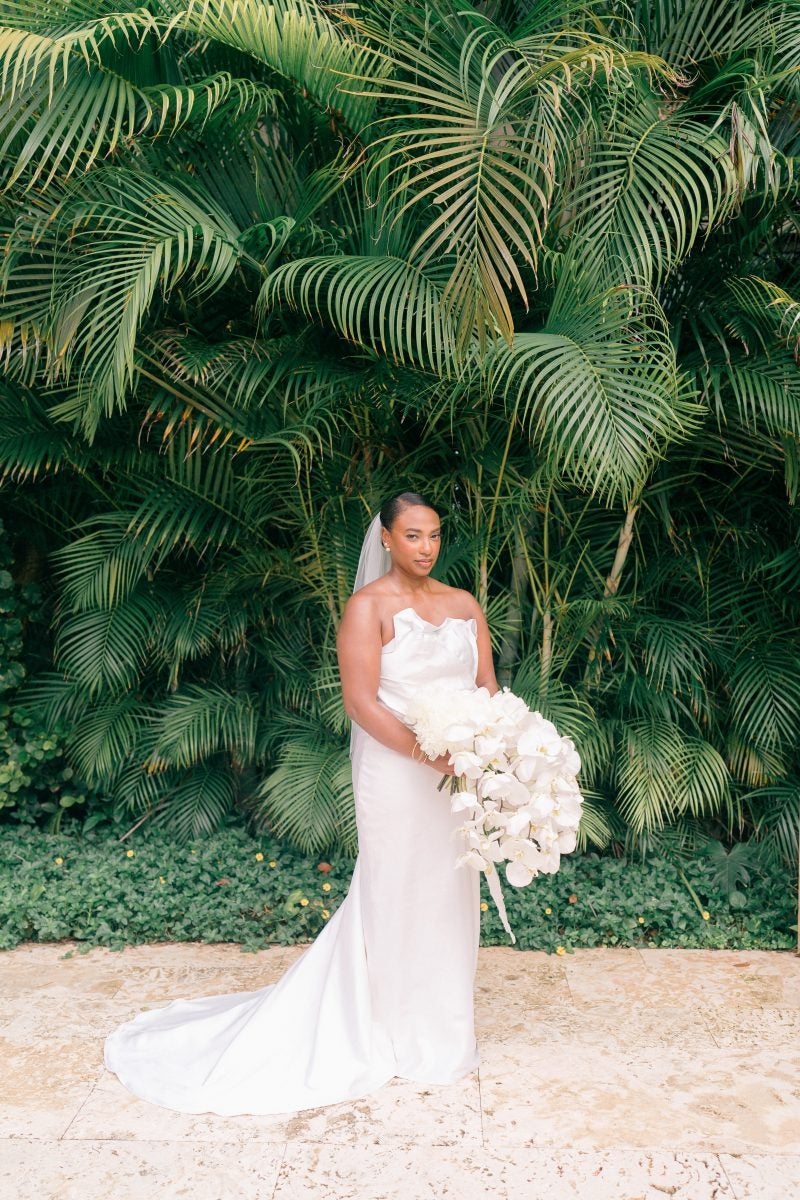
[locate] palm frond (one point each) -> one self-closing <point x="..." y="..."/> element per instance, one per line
<point x="100" y="569"/>
<point x="765" y="695"/>
<point x="298" y="40"/>
<point x="103" y="650"/>
<point x="200" y="721"/>
<point x="651" y="187"/>
<point x="105" y="737"/>
<point x="776" y="811"/>
<point x="31" y="444"/>
<point x="96" y="105"/>
<point x="479" y="127"/>
<point x="686" y="32"/>
<point x="130" y="236"/>
<point x="597" y="388"/>
<point x="196" y="806"/>
<point x="595" y="828"/>
<point x="382" y="303"/>
<point x="662" y="773"/>
<point x="308" y="798"/>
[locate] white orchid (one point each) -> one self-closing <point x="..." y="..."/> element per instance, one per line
<point x="540" y="738"/>
<point x="540" y="805"/>
<point x="517" y="821"/>
<point x="502" y="785"/>
<point x="567" y="810"/>
<point x="473" y="858"/>
<point x="567" y="840"/>
<point x="463" y="801"/>
<point x="490" y="746"/>
<point x="466" y="763"/>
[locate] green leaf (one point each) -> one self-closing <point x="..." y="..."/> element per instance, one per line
<point x="308" y="798"/>
<point x="597" y="389"/>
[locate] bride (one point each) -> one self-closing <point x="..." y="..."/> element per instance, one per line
<point x="387" y="987"/>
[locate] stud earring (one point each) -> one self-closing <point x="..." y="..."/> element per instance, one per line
<point x="385" y="546"/>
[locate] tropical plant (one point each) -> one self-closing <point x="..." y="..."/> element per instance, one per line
<point x="265" y="262"/>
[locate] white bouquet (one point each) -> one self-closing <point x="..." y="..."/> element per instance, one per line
<point x="515" y="781"/>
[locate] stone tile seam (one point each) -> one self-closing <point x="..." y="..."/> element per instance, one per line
<point x="724" y="1171"/>
<point x="278" y="1170"/>
<point x="63" y="1135"/>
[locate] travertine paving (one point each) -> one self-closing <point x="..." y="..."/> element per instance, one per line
<point x="605" y="1075"/>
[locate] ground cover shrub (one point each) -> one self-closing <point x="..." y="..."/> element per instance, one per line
<point x="233" y="887"/>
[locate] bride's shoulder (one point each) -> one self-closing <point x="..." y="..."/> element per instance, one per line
<point x="364" y="606"/>
<point x="462" y="602"/>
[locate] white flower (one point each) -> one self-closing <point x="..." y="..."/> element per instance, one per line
<point x="489" y="746"/>
<point x="472" y="859"/>
<point x="541" y="805"/>
<point x="516" y="822"/>
<point x="466" y="763"/>
<point x="463" y="801"/>
<point x="567" y="810"/>
<point x="502" y="785"/>
<point x="570" y="759"/>
<point x="509" y="712"/>
<point x="539" y="737"/>
<point x="518" y="874"/>
<point x="525" y="861"/>
<point x="459" y="736"/>
<point x="536" y="769"/>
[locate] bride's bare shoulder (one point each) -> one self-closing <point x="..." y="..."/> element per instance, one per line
<point x="462" y="602"/>
<point x="364" y="609"/>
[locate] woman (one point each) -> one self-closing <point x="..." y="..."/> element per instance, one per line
<point x="387" y="987"/>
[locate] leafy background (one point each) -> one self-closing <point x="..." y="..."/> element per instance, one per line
<point x="265" y="264"/>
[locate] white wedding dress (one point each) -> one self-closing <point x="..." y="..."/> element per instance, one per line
<point x="387" y="987"/>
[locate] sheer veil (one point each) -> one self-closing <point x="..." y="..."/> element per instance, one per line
<point x="372" y="563"/>
<point x="373" y="560"/>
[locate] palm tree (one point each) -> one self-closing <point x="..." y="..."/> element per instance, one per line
<point x="265" y="261"/>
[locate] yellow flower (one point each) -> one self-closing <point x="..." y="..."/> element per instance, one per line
<point x="59" y="861"/>
<point x="706" y="916"/>
<point x="325" y="913"/>
<point x="547" y="912"/>
<point x="326" y="887"/>
<point x="272" y="863"/>
<point x="161" y="879"/>
<point x="130" y="853"/>
<point x="484" y="906"/>
<point x="259" y="857"/>
<point x="304" y="902"/>
<point x="640" y="920"/>
<point x="560" y="950"/>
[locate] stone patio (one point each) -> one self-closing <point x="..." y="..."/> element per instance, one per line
<point x="623" y="1074"/>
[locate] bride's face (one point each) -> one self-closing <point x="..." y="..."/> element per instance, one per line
<point x="414" y="540"/>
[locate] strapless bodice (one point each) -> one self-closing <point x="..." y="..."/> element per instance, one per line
<point x="421" y="653"/>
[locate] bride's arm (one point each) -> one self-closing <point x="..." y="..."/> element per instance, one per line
<point x="484" y="676"/>
<point x="358" y="645"/>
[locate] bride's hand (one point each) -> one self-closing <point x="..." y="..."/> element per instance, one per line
<point x="442" y="765"/>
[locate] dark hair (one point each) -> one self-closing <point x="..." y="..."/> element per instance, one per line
<point x="391" y="510"/>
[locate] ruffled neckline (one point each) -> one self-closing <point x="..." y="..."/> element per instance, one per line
<point x="415" y="617"/>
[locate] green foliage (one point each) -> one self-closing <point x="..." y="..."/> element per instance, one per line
<point x="36" y="783"/>
<point x="597" y="901"/>
<point x="265" y="263"/>
<point x="231" y="887"/>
